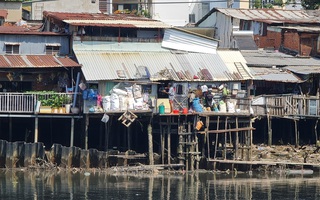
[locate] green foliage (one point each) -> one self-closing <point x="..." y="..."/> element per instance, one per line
<point x="307" y="4"/>
<point x="310" y="4"/>
<point x="51" y="98"/>
<point x="257" y="4"/>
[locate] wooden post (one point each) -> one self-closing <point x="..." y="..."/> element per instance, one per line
<point x="207" y="135"/>
<point x="86" y="132"/>
<point x="216" y="143"/>
<point x="269" y="130"/>
<point x="36" y="130"/>
<point x="72" y="132"/>
<point x="162" y="141"/>
<point x="237" y="140"/>
<point x="106" y="137"/>
<point x="169" y="140"/>
<point x="315" y="130"/>
<point x="250" y="151"/>
<point x="225" y="138"/>
<point x="296" y="131"/>
<point x="151" y="162"/>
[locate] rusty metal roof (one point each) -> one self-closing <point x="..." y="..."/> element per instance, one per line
<point x="25" y="30"/>
<point x="3" y="13"/>
<point x="267" y="15"/>
<point x="100" y="19"/>
<point x="35" y="61"/>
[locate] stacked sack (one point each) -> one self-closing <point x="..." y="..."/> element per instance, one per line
<point x="126" y="97"/>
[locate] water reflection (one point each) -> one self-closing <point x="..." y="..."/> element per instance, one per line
<point x="17" y="184"/>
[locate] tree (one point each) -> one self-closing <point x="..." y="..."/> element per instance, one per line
<point x="308" y="4"/>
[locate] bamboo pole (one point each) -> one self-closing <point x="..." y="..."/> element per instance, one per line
<point x="225" y="138"/>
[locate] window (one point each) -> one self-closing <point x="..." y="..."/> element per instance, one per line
<point x="52" y="49"/>
<point x="192" y="18"/>
<point x="12" y="48"/>
<point x="104" y="6"/>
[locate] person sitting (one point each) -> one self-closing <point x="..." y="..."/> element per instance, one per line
<point x="209" y="99"/>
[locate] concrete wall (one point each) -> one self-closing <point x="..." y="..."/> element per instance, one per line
<point x="77" y="6"/>
<point x="14" y="11"/>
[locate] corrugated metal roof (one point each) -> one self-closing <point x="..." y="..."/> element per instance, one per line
<point x="301" y="28"/>
<point x="118" y="23"/>
<point x="233" y="60"/>
<point x="304" y="69"/>
<point x="266" y="15"/>
<point x="161" y="65"/>
<point x="25" y="30"/>
<point x="274" y="74"/>
<point x="100" y="19"/>
<point x="270" y="15"/>
<point x="35" y="61"/>
<point x="274" y="58"/>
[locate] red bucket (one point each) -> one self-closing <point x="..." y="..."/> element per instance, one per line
<point x="185" y="111"/>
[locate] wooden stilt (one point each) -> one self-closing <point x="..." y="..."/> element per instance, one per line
<point x="86" y="132"/>
<point x="237" y="140"/>
<point x="106" y="136"/>
<point x="151" y="161"/>
<point x="36" y="130"/>
<point x="217" y="137"/>
<point x="296" y="131"/>
<point x="162" y="141"/>
<point x="225" y="138"/>
<point x="169" y="140"/>
<point x="315" y="130"/>
<point x="72" y="132"/>
<point x="207" y="135"/>
<point x="250" y="151"/>
<point x="269" y="130"/>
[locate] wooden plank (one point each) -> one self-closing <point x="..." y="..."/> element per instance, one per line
<point x="228" y="130"/>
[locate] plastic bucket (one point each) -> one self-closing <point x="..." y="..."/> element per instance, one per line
<point x="161" y="109"/>
<point x="185" y="111"/>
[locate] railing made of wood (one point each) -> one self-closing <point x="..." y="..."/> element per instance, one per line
<point x="22" y="102"/>
<point x="285" y="105"/>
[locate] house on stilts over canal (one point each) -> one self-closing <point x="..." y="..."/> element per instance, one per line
<point x="151" y="93"/>
<point x="127" y="62"/>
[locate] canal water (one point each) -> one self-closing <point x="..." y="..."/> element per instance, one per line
<point x="77" y="185"/>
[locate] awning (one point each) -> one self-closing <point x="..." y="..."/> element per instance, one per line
<point x="304" y="70"/>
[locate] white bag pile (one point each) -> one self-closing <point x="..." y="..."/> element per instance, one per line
<point x="124" y="96"/>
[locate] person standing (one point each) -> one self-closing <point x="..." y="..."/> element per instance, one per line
<point x="170" y="91"/>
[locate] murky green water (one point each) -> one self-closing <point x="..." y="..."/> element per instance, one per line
<point x="201" y="185"/>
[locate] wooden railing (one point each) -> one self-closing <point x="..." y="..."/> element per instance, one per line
<point x="286" y="105"/>
<point x="24" y="102"/>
